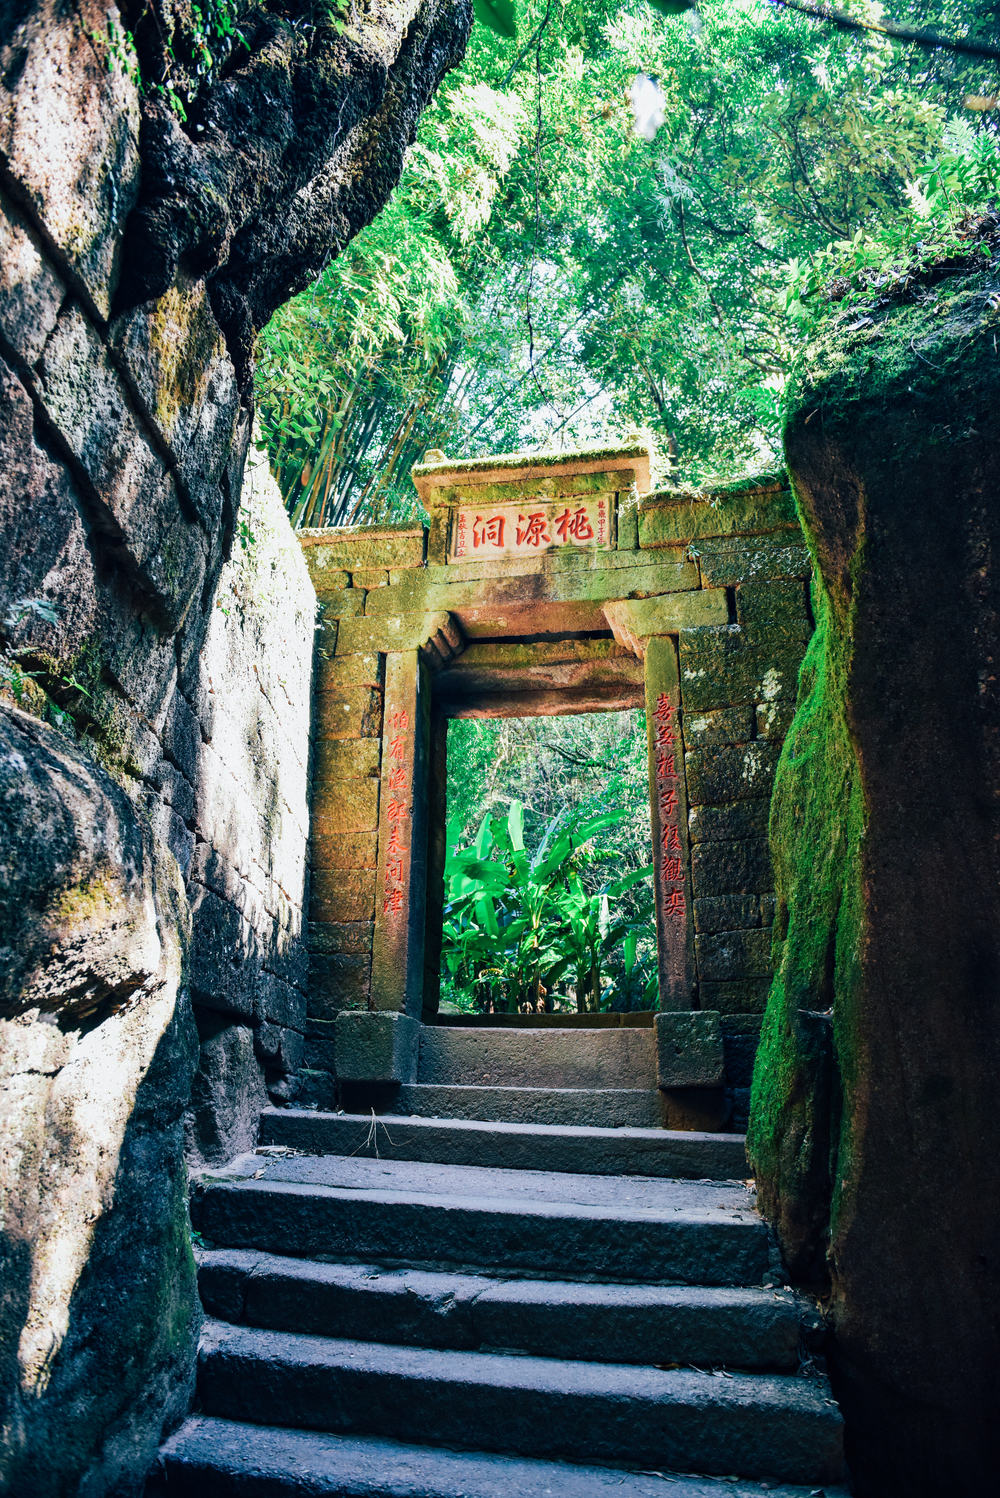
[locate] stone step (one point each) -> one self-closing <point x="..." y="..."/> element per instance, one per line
<point x="599" y="1058"/>
<point x="644" y="1324"/>
<point x="212" y="1458"/>
<point x="637" y="1229"/>
<point x="756" y="1425"/>
<point x="679" y="1155"/>
<point x="579" y="1107"/>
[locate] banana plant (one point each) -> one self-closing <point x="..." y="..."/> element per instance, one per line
<point x="529" y="920"/>
<point x="589" y="934"/>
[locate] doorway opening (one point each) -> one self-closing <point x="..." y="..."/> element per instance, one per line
<point x="547" y="888"/>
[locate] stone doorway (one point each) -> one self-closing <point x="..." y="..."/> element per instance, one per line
<point x="539" y="587"/>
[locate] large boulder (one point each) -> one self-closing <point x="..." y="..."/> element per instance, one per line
<point x="99" y="1313"/>
<point x="875" y="1132"/>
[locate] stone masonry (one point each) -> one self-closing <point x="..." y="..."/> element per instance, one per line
<point x="487" y="625"/>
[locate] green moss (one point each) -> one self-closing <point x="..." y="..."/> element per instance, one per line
<point x="528" y="460"/>
<point x="904" y="350"/>
<point x="804" y="1060"/>
<point x="717" y="491"/>
<point x="921" y="369"/>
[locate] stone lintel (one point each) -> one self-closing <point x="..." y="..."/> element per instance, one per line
<point x="619" y="697"/>
<point x="631" y="459"/>
<point x="427" y="590"/>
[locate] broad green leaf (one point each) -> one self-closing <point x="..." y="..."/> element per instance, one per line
<point x="498" y="15"/>
<point x="621" y="885"/>
<point x="515" y="826"/>
<point x="628" y="951"/>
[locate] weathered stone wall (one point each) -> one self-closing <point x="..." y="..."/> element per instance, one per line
<point x="875" y="1130"/>
<point x="247" y="872"/>
<point x="157" y="629"/>
<point x="738" y="684"/>
<point x="725" y="573"/>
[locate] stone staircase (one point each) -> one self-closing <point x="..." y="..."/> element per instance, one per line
<point x="480" y="1303"/>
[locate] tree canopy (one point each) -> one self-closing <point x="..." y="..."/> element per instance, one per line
<point x="546" y="275"/>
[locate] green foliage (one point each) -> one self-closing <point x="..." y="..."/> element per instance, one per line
<point x="943" y="224"/>
<point x="562" y="772"/>
<point x="544" y="276"/>
<point x="516" y="923"/>
<point x="498" y="15"/>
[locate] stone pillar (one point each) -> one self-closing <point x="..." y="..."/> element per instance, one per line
<point x="668" y="815"/>
<point x="400" y="885"/>
<point x="437" y="852"/>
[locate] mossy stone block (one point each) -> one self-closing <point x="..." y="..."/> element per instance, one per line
<point x="343" y="759"/>
<point x="727" y="913"/>
<point x="728" y="824"/>
<point x="340" y="981"/>
<point x="350" y="806"/>
<point x="744" y="997"/>
<point x="666" y="520"/>
<point x="342" y="895"/>
<point x="774" y="719"/>
<point x="735" y="772"/>
<point x="348" y="850"/>
<point x="326" y="937"/>
<point x="772" y="603"/>
<point x="377" y="1047"/>
<point x="342" y="603"/>
<point x="729" y="563"/>
<point x="536" y="488"/>
<point x="729" y="667"/>
<point x="348" y="713"/>
<point x="727" y="955"/>
<point x="361" y="549"/>
<point x="688" y="1049"/>
<point x="349" y="671"/>
<point x="728" y="725"/>
<point x="372" y="577"/>
<point x="738" y="868"/>
<point x="738" y="1024"/>
<point x="389" y="633"/>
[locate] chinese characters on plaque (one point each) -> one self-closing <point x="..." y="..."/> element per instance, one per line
<point x="397" y="813"/>
<point x="671" y="859"/>
<point x="528" y="530"/>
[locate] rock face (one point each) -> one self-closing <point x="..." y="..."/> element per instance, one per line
<point x="155" y="612"/>
<point x="97" y="1052"/>
<point x="875" y="1131"/>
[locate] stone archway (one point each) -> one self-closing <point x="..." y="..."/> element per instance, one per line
<point x="547" y="586"/>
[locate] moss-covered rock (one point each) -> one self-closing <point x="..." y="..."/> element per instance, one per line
<point x="874" y="1132"/>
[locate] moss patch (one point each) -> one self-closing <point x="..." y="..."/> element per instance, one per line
<point x="817" y="821"/>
